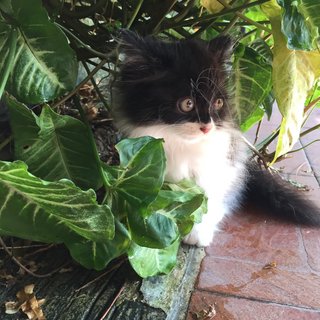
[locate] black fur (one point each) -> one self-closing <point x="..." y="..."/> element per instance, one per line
<point x="156" y="74"/>
<point x="278" y="198"/>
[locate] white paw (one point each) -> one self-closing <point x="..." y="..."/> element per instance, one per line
<point x="198" y="238"/>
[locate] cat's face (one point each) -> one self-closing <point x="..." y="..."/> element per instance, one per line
<point x="179" y="84"/>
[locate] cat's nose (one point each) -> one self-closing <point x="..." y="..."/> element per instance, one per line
<point x="206" y="128"/>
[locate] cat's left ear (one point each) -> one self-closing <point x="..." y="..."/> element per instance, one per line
<point x="222" y="47"/>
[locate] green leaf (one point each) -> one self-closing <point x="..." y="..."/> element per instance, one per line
<point x="255" y="117"/>
<point x="294" y="75"/>
<point x="268" y="104"/>
<point x="301" y="23"/>
<point x="5" y="6"/>
<point x="97" y="255"/>
<point x="148" y="262"/>
<point x="8" y="57"/>
<point x="142" y="161"/>
<point x="53" y="146"/>
<point x="45" y="67"/>
<point x="252" y="81"/>
<point x="38" y="210"/>
<point x="155" y="231"/>
<point x="184" y="202"/>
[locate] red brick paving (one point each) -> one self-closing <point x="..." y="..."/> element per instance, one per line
<point x="234" y="282"/>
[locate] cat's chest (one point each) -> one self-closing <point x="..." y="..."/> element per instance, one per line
<point x="208" y="161"/>
<point x="200" y="161"/>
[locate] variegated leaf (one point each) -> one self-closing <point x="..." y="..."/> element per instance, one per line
<point x="54" y="146"/>
<point x="294" y="75"/>
<point x="252" y="83"/>
<point x="44" y="66"/>
<point x="34" y="209"/>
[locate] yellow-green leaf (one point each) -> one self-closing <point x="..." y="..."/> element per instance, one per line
<point x="294" y="75"/>
<point x="213" y="6"/>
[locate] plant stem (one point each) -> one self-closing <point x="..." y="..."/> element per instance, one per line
<point x="209" y="17"/>
<point x="257" y="132"/>
<point x="307" y="145"/>
<point x="243" y="17"/>
<point x="309" y="130"/>
<point x="311" y="104"/>
<point x="255" y="151"/>
<point x="5" y="142"/>
<point x="16" y="261"/>
<point x="9" y="61"/>
<point x="103" y="100"/>
<point x="85" y="80"/>
<point x="86" y="46"/>
<point x="169" y="8"/>
<point x="134" y="14"/>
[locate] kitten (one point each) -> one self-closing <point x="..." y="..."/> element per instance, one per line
<point x="178" y="91"/>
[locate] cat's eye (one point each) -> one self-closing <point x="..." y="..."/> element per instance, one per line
<point x="218" y="104"/>
<point x="186" y="104"/>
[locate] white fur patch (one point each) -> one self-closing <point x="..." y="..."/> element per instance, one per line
<point x="204" y="157"/>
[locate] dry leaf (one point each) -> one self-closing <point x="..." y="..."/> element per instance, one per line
<point x="12" y="307"/>
<point x="270" y="265"/>
<point x="27" y="303"/>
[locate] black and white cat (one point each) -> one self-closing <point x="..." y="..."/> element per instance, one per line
<point x="178" y="91"/>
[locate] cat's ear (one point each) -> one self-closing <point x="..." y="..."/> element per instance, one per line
<point x="222" y="47"/>
<point x="135" y="48"/>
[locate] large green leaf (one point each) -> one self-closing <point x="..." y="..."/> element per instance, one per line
<point x="45" y="66"/>
<point x="97" y="255"/>
<point x="142" y="164"/>
<point x="301" y="23"/>
<point x="148" y="262"/>
<point x="53" y="146"/>
<point x="155" y="231"/>
<point x="185" y="202"/>
<point x="294" y="75"/>
<point x="252" y="82"/>
<point x="44" y="211"/>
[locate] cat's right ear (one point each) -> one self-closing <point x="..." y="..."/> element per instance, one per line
<point x="133" y="47"/>
<point x="222" y="47"/>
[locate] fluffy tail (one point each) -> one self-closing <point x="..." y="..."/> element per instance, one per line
<point x="279" y="198"/>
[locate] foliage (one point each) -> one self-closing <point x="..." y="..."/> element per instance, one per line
<point x="50" y="192"/>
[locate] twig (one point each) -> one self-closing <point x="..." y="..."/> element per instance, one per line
<point x="307" y="145"/>
<point x="255" y="151"/>
<point x="233" y="21"/>
<point x="85" y="80"/>
<point x="309" y="130"/>
<point x="86" y="46"/>
<point x="46" y="248"/>
<point x="5" y="142"/>
<point x="101" y="275"/>
<point x="26" y="247"/>
<point x="16" y="261"/>
<point x="103" y="100"/>
<point x="257" y="132"/>
<point x="243" y="17"/>
<point x="311" y="104"/>
<point x="134" y="14"/>
<point x="206" y="18"/>
<point x="112" y="303"/>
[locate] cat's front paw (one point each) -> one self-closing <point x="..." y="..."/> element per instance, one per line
<point x="198" y="239"/>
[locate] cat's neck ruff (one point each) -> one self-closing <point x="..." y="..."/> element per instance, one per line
<point x="196" y="158"/>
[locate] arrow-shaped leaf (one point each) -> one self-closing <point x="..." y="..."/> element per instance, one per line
<point x="44" y="211"/>
<point x="44" y="66"/>
<point x="252" y="82"/>
<point x="53" y="146"/>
